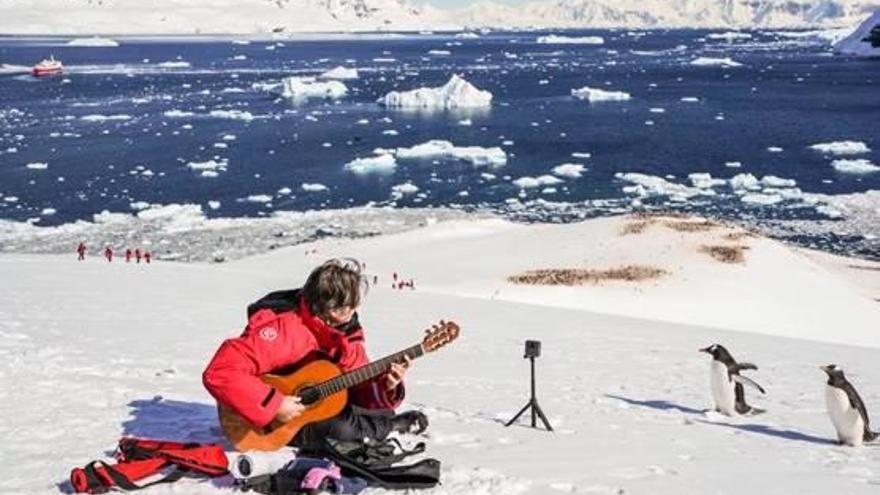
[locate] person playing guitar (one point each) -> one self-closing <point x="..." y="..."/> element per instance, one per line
<point x="289" y="329"/>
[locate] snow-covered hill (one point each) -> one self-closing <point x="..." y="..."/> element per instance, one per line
<point x="864" y="41"/>
<point x="265" y="16"/>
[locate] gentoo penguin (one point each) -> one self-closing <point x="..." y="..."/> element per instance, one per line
<point x="847" y="411"/>
<point x="727" y="383"/>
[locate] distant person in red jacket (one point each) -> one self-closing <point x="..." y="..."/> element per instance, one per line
<point x="287" y="329"/>
<point x="137" y="254"/>
<point x="81" y="251"/>
<point x="108" y="253"/>
<point x="128" y="255"/>
<point x="148" y="256"/>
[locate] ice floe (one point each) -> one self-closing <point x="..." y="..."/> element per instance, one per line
<point x="304" y="88"/>
<point x="340" y="74"/>
<point x="715" y="62"/>
<point x="595" y="94"/>
<point x="381" y="163"/>
<point x="313" y="187"/>
<point x="457" y="93"/>
<point x="570" y="40"/>
<point x="729" y="36"/>
<point x="209" y="168"/>
<point x="570" y="170"/>
<point x="857" y="166"/>
<point x="37" y="165"/>
<point x="232" y="115"/>
<point x="440" y="149"/>
<point x="105" y="118"/>
<point x="842" y="148"/>
<point x="533" y="182"/>
<point x="175" y="64"/>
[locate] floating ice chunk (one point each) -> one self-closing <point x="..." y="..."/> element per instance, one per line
<point x="456" y="93"/>
<point x="775" y="149"/>
<point x="377" y="164"/>
<point x="210" y="168"/>
<point x="37" y="165"/>
<point x="176" y="114"/>
<point x="304" y="88"/>
<point x="715" y="62"/>
<point x="214" y="205"/>
<point x="401" y="190"/>
<point x="313" y="187"/>
<point x="229" y="137"/>
<point x="390" y="132"/>
<point x="467" y="36"/>
<point x="570" y="40"/>
<point x="730" y="36"/>
<point x="439" y="52"/>
<point x="94" y="42"/>
<point x="745" y="182"/>
<point x="690" y="99"/>
<point x="733" y="164"/>
<point x="48" y="212"/>
<point x="761" y="199"/>
<point x="580" y="154"/>
<point x="705" y="181"/>
<point x="465" y="122"/>
<point x="841" y="148"/>
<point x="258" y="198"/>
<point x="650" y="185"/>
<point x="340" y="74"/>
<point x="175" y="64"/>
<point x="438" y="149"/>
<point x="104" y="118"/>
<point x="570" y="170"/>
<point x="532" y="182"/>
<point x="773" y="181"/>
<point x="232" y="115"/>
<point x="859" y="166"/>
<point x="657" y="110"/>
<point x="595" y="94"/>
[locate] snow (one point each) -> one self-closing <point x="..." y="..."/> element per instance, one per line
<point x="570" y="40"/>
<point x="619" y="366"/>
<point x="440" y="149"/>
<point x="457" y="93"/>
<point x="382" y="163"/>
<point x="595" y="94"/>
<point x="715" y="62"/>
<point x="857" y="42"/>
<point x="340" y="74"/>
<point x="94" y="42"/>
<point x="569" y="170"/>
<point x="858" y="166"/>
<point x="305" y="88"/>
<point x="842" y="148"/>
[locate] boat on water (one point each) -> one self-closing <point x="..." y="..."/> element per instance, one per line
<point x="48" y="67"/>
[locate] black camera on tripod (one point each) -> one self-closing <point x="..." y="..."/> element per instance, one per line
<point x="533" y="349"/>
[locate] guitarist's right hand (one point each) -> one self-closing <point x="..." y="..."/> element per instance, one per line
<point x="291" y="408"/>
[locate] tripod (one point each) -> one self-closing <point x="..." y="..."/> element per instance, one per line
<point x="533" y="405"/>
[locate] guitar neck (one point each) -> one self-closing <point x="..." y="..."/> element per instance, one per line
<point x="367" y="372"/>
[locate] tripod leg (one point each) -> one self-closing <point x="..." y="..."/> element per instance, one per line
<point x="520" y="413"/>
<point x="537" y="408"/>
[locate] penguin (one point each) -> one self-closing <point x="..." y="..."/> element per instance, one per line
<point x="846" y="409"/>
<point x="727" y="384"/>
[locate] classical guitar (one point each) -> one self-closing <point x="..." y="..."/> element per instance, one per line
<point x="323" y="389"/>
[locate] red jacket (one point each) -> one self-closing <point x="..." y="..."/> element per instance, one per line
<point x="280" y="342"/>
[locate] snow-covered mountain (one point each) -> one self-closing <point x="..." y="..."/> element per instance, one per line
<point x="864" y="41"/>
<point x="209" y="16"/>
<point x="670" y="13"/>
<point x="265" y="16"/>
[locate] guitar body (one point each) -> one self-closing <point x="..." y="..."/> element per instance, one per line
<point x="245" y="436"/>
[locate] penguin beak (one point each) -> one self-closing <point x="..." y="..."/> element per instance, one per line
<point x="824" y="368"/>
<point x="705" y="349"/>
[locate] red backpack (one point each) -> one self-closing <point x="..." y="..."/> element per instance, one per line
<point x="139" y="458"/>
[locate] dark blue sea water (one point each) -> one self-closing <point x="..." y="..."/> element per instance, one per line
<point x="789" y="93"/>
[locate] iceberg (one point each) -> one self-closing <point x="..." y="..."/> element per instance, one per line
<point x="305" y="88"/>
<point x="570" y="40"/>
<point x="94" y="42"/>
<point x="864" y="41"/>
<point x="842" y="148"/>
<point x="569" y="170"/>
<point x="594" y="94"/>
<point x="377" y="164"/>
<point x="439" y="149"/>
<point x="340" y="74"/>
<point x="860" y="166"/>
<point x="456" y="93"/>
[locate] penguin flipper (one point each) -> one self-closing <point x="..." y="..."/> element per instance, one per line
<point x="744" y="366"/>
<point x="743" y="380"/>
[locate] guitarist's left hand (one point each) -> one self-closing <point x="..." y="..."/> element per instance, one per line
<point x="397" y="372"/>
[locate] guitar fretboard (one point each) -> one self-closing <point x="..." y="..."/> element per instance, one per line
<point x="367" y="372"/>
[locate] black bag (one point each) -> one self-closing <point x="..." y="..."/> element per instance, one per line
<point x="374" y="462"/>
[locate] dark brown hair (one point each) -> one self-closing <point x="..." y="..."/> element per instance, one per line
<point x="337" y="283"/>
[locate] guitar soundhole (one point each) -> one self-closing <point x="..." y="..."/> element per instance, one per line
<point x="309" y="395"/>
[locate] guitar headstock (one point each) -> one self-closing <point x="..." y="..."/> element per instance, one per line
<point x="439" y="335"/>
